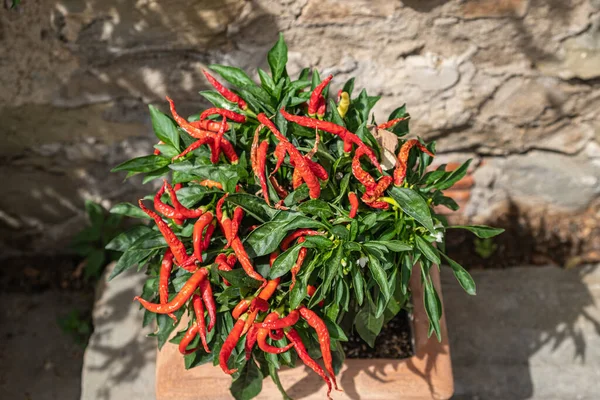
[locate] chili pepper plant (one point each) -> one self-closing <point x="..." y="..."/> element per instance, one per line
<point x="276" y="229"/>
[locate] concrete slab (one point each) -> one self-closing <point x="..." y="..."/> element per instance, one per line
<point x="119" y="361"/>
<point x="37" y="359"/>
<point x="530" y="333"/>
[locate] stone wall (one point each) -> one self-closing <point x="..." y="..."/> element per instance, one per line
<point x="514" y="84"/>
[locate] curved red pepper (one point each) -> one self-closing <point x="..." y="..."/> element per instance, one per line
<point x="209" y="125"/>
<point x="316" y="96"/>
<point x="229" y="345"/>
<point x="199" y="312"/>
<point x="280" y="323"/>
<point x="173" y="241"/>
<point x="324" y="340"/>
<point x="198" y="242"/>
<point x="390" y="123"/>
<point x="285" y="243"/>
<point x="353" y="204"/>
<point x="163" y="283"/>
<point x="262" y="338"/>
<point x="184" y="294"/>
<point x="223" y="91"/>
<point x="293" y="337"/>
<point x="230" y="115"/>
<point x="209" y="302"/>
<point x="401" y="163"/>
<point x="190" y="334"/>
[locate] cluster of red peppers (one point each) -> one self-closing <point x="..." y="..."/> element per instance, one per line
<point x="254" y="316"/>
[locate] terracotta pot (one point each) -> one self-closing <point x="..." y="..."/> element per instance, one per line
<point x="426" y="375"/>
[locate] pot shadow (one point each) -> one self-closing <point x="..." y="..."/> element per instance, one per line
<point x="525" y="321"/>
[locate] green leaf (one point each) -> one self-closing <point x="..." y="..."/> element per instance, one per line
<point x="277" y="58"/>
<point x="275" y="376"/>
<point x="249" y="382"/>
<point x="267" y="82"/>
<point x="317" y="242"/>
<point x="335" y="331"/>
<point x="233" y="75"/>
<point x="164" y="127"/>
<point x="379" y="275"/>
<point x="95" y="213"/>
<point x="218" y="100"/>
<point x="253" y="205"/>
<point x="358" y="284"/>
<point x="481" y="231"/>
<point x="298" y="294"/>
<point x="462" y="276"/>
<point x="166" y="326"/>
<point x="414" y="205"/>
<point x="454" y="176"/>
<point x="400" y="128"/>
<point x="284" y="262"/>
<point x="266" y="238"/>
<point x="367" y="325"/>
<point x="349" y="87"/>
<point x="124" y="240"/>
<point x="433" y="306"/>
<point x="238" y="278"/>
<point x="143" y="164"/>
<point x="316" y="207"/>
<point x="430" y="252"/>
<point x="333" y="267"/>
<point x="129" y="210"/>
<point x="393" y="245"/>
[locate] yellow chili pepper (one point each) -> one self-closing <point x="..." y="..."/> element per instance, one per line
<point x="343" y="104"/>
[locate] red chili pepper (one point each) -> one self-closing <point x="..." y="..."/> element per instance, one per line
<point x="211" y="184"/>
<point x="293" y="337"/>
<point x="229" y="345"/>
<point x="353" y="204"/>
<point x="281" y="192"/>
<point x="401" y="163"/>
<point x="296" y="158"/>
<point x="297" y="179"/>
<point x="229" y="151"/>
<point x="259" y="304"/>
<point x="216" y="151"/>
<point x="360" y="174"/>
<point x="285" y="243"/>
<point x="264" y="295"/>
<point x="245" y="261"/>
<point x="228" y="94"/>
<point x="299" y="261"/>
<point x="190" y="334"/>
<point x="164" y="209"/>
<point x="194" y="146"/>
<point x="230" y="115"/>
<point x="316" y="96"/>
<point x="343" y="133"/>
<point x="209" y="125"/>
<point x="238" y="215"/>
<point x="184" y="294"/>
<point x="276" y="334"/>
<point x="322" y="108"/>
<point x="272" y="257"/>
<point x="382" y="205"/>
<point x="318" y="170"/>
<point x="173" y="241"/>
<point x="262" y="338"/>
<point x="221" y="261"/>
<point x="261" y="165"/>
<point x="392" y="122"/>
<point x="372" y="195"/>
<point x="187" y="126"/>
<point x="163" y="284"/>
<point x="231" y="260"/>
<point x="184" y="211"/>
<point x="250" y="341"/>
<point x="209" y="302"/>
<point x="199" y="312"/>
<point x="324" y="341"/>
<point x="279" y="323"/>
<point x="208" y="236"/>
<point x="279" y="154"/>
<point x="240" y="308"/>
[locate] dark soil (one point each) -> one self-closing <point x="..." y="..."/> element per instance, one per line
<point x="394" y="341"/>
<point x="35" y="274"/>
